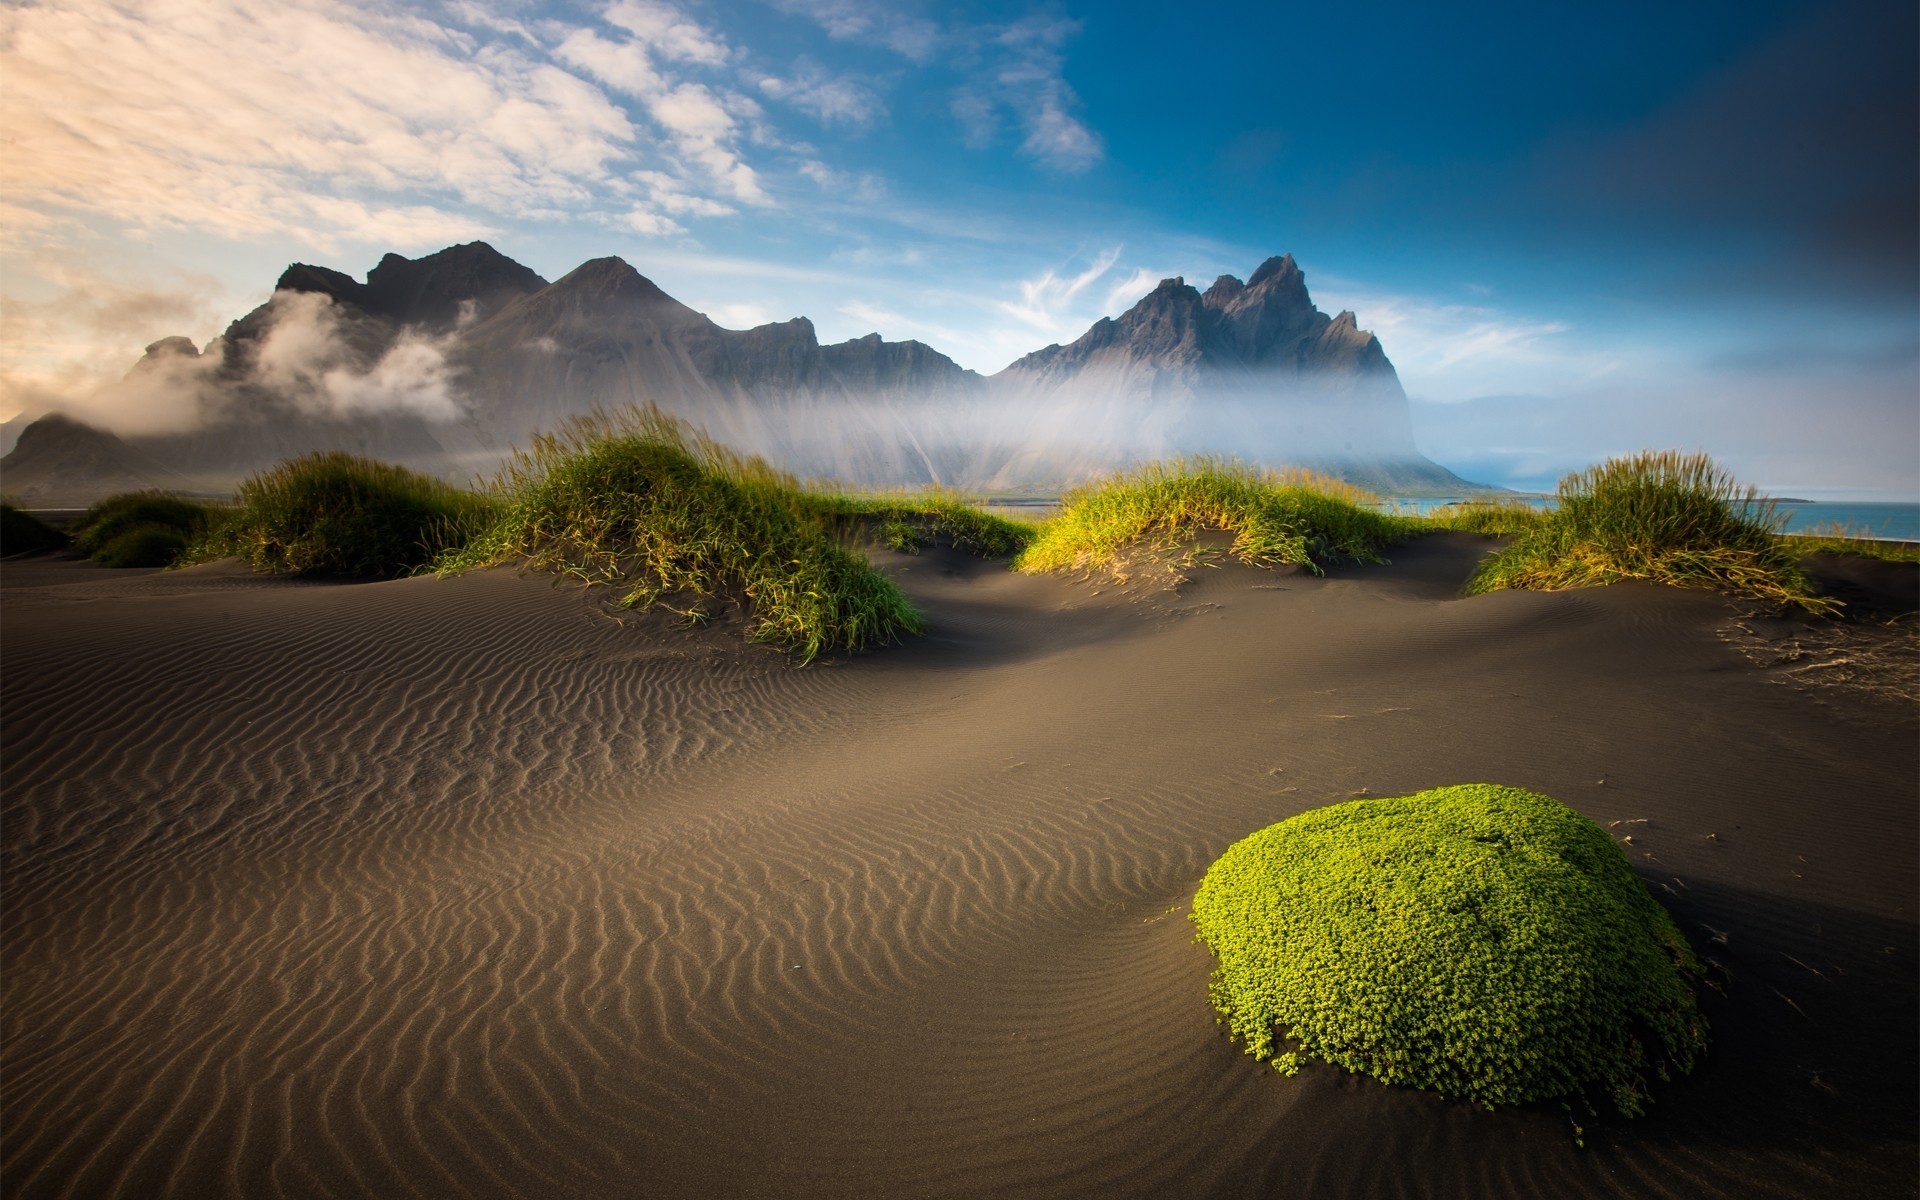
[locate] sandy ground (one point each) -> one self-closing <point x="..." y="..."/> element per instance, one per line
<point x="469" y="888"/>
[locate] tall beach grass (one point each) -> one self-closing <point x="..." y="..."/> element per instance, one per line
<point x="1275" y="517"/>
<point x="339" y="514"/>
<point x="1663" y="516"/>
<point x="641" y="502"/>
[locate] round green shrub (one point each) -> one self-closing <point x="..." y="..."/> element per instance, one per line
<point x="340" y="514"/>
<point x="142" y="546"/>
<point x="112" y="518"/>
<point x="1480" y="941"/>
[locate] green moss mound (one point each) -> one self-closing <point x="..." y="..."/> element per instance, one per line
<point x="339" y="514"/>
<point x="1484" y="942"/>
<point x="23" y="533"/>
<point x="640" y="502"/>
<point x="1276" y="517"/>
<point x="140" y="529"/>
<point x="1661" y="516"/>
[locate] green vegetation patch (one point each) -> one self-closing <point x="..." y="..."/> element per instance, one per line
<point x="1496" y="518"/>
<point x="906" y="521"/>
<point x="339" y="514"/>
<point x="141" y="529"/>
<point x="1276" y="517"/>
<point x="640" y="502"/>
<point x="1480" y="941"/>
<point x="23" y="533"/>
<point x="1662" y="516"/>
<point x="1837" y="538"/>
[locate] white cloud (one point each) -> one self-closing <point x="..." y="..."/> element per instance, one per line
<point x="1449" y="351"/>
<point x="668" y="32"/>
<point x="735" y="316"/>
<point x="1049" y="301"/>
<point x="873" y="22"/>
<point x="1125" y="293"/>
<point x="650" y="223"/>
<point x="306" y="357"/>
<point x="700" y="122"/>
<point x="832" y="99"/>
<point x="1014" y="71"/>
<point x="352" y="122"/>
<point x="240" y="115"/>
<point x="670" y="195"/>
<point x="1033" y="86"/>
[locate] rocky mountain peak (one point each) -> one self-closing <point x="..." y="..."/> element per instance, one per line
<point x="1280" y="267"/>
<point x="305" y="277"/>
<point x="469" y="282"/>
<point x="170" y="347"/>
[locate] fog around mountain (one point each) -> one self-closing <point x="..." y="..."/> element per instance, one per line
<point x="448" y="362"/>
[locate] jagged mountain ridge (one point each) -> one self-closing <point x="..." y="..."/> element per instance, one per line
<point x="449" y="361"/>
<point x="1267" y="323"/>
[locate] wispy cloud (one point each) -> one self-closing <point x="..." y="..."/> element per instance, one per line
<point x="1014" y="74"/>
<point x="1032" y="84"/>
<point x="834" y="100"/>
<point x="1446" y="350"/>
<point x="1048" y="302"/>
<point x="884" y="24"/>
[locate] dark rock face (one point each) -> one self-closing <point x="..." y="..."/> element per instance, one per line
<point x="449" y="361"/>
<point x="474" y="281"/>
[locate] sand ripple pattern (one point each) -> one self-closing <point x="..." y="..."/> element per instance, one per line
<point x="462" y="887"/>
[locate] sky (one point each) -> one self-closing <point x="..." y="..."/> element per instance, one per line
<point x="1579" y="229"/>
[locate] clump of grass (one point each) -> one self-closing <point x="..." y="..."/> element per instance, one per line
<point x="23" y="533"/>
<point x="1838" y="538"/>
<point x="1494" y="517"/>
<point x="640" y="502"/>
<point x="141" y="529"/>
<point x="1276" y="517"/>
<point x="1480" y="941"/>
<point x="339" y="514"/>
<point x="1661" y="516"/>
<point x="907" y="521"/>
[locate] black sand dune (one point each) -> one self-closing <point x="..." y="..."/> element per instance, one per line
<point x="466" y="887"/>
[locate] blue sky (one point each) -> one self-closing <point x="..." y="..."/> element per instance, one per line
<point x="1578" y="229"/>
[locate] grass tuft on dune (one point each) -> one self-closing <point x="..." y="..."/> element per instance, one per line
<point x="909" y="520"/>
<point x="641" y="502"/>
<point x="1481" y="941"/>
<point x="1661" y="516"/>
<point x="141" y="529"/>
<point x="1836" y="538"/>
<point x="1276" y="517"/>
<point x="1494" y="517"/>
<point x="339" y="514"/>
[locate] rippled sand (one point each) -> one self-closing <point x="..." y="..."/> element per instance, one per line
<point x="469" y="887"/>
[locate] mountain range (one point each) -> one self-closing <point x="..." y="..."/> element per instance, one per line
<point x="448" y="362"/>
